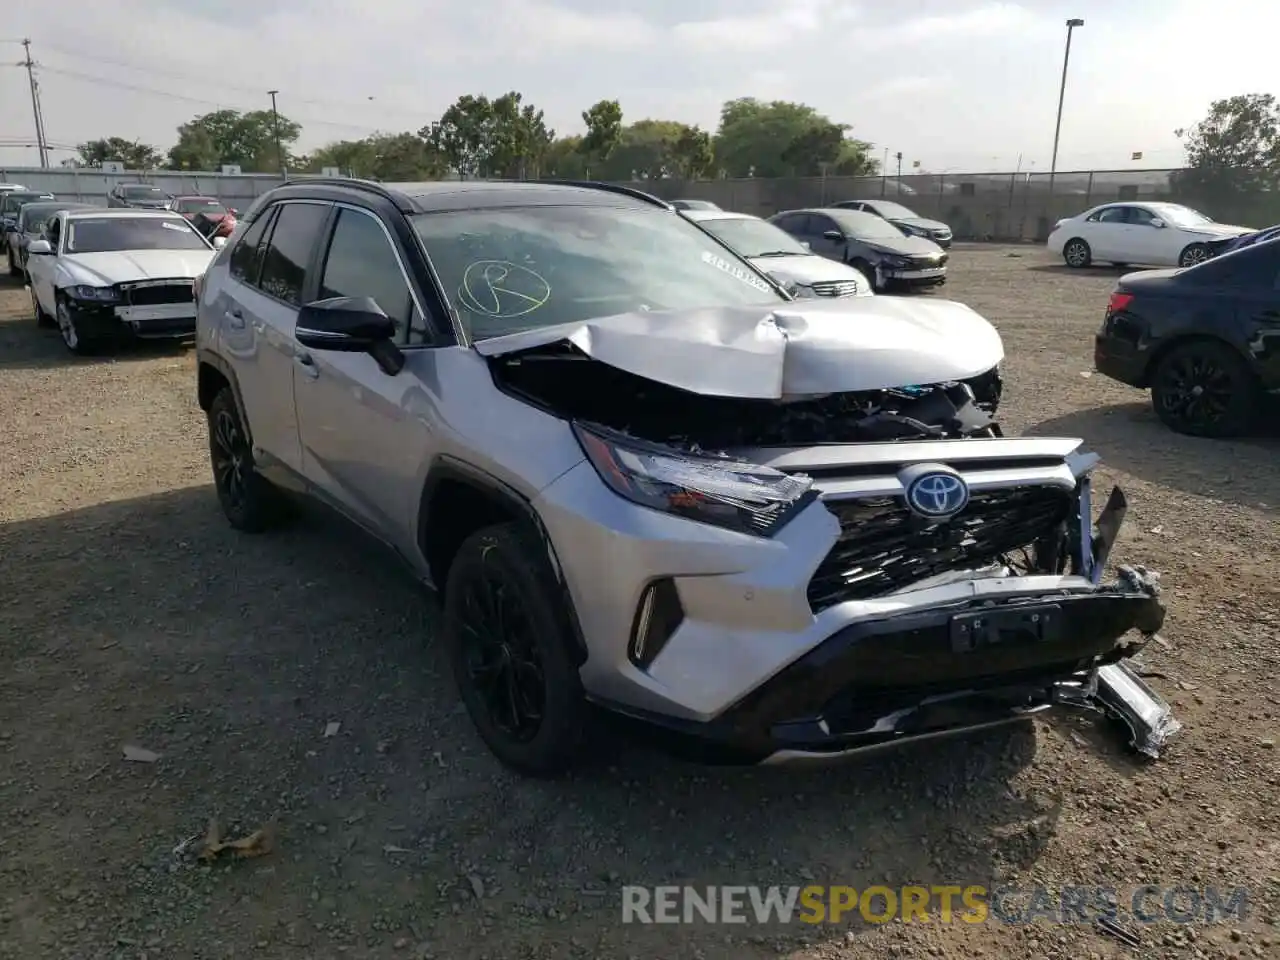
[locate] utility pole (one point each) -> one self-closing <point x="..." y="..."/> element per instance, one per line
<point x="899" y="157"/>
<point x="275" y="119"/>
<point x="1062" y="95"/>
<point x="884" y="173"/>
<point x="41" y="143"/>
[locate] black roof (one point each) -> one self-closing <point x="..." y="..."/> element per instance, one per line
<point x="433" y="196"/>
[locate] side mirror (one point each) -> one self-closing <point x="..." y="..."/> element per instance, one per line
<point x="39" y="248"/>
<point x="1157" y="223"/>
<point x="350" y="325"/>
<point x="834" y="235"/>
<point x="219" y="242"/>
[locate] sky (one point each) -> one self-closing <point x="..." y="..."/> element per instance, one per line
<point x="964" y="85"/>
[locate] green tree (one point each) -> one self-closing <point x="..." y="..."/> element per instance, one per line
<point x="565" y="159"/>
<point x="504" y="137"/>
<point x="692" y="156"/>
<point x="653" y="149"/>
<point x="229" y="136"/>
<point x="1236" y="147"/>
<point x="462" y="134"/>
<point x="779" y="138"/>
<point x="384" y="156"/>
<point x="133" y="154"/>
<point x="604" y="131"/>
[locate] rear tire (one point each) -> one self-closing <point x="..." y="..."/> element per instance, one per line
<point x="249" y="501"/>
<point x="1205" y="389"/>
<point x="72" y="338"/>
<point x="1077" y="254"/>
<point x="508" y="635"/>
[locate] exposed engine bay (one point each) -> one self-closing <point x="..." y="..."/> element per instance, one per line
<point x="566" y="382"/>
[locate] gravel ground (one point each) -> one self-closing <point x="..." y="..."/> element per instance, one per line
<point x="131" y="614"/>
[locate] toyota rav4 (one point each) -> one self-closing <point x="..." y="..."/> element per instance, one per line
<point x="645" y="480"/>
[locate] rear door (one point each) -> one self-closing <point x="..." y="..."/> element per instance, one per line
<point x="362" y="442"/>
<point x="267" y="275"/>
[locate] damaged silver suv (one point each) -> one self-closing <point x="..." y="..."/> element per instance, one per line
<point x="647" y="480"/>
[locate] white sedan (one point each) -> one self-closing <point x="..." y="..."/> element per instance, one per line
<point x="1151" y="234"/>
<point x="101" y="275"/>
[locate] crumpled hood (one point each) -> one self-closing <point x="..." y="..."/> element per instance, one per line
<point x="104" y="269"/>
<point x="800" y="348"/>
<point x="1218" y="230"/>
<point x="807" y="270"/>
<point x="924" y="223"/>
<point x="905" y="246"/>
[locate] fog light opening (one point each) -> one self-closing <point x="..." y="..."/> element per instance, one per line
<point x="658" y="616"/>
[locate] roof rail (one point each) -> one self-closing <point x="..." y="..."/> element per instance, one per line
<point x="609" y="188"/>
<point x="369" y="186"/>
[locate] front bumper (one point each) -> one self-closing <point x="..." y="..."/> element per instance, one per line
<point x="109" y="321"/>
<point x="928" y="277"/>
<point x="782" y="645"/>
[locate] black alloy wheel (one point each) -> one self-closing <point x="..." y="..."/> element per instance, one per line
<point x="507" y="632"/>
<point x="250" y="503"/>
<point x="1204" y="389"/>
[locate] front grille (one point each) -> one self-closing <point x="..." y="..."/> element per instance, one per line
<point x="884" y="547"/>
<point x="156" y="294"/>
<point x="835" y="288"/>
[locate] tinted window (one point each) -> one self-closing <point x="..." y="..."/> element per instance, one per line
<point x="246" y="256"/>
<point x="1140" y="217"/>
<point x="515" y="268"/>
<point x="141" y="193"/>
<point x="361" y="263"/>
<point x="110" y="234"/>
<point x="200" y="205"/>
<point x="864" y="226"/>
<point x="284" y="267"/>
<point x="795" y="223"/>
<point x="1112" y="215"/>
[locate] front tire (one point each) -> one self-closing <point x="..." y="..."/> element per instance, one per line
<point x="74" y="340"/>
<point x="251" y="504"/>
<point x="42" y="318"/>
<point x="508" y="636"/>
<point x="868" y="272"/>
<point x="1194" y="254"/>
<point x="1077" y="254"/>
<point x="1205" y="389"/>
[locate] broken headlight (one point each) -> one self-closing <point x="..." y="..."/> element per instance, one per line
<point x="745" y="497"/>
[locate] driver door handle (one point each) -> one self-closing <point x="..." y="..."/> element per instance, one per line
<point x="306" y="365"/>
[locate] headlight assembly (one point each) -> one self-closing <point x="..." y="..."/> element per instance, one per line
<point x="745" y="497"/>
<point x="94" y="294"/>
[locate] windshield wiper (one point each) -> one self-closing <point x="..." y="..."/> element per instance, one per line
<point x="779" y="253"/>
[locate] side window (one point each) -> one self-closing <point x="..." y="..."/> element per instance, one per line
<point x="284" y="266"/>
<point x="1140" y="217"/>
<point x="246" y="258"/>
<point x="52" y="230"/>
<point x="820" y="225"/>
<point x="362" y="263"/>
<point x="1113" y="215"/>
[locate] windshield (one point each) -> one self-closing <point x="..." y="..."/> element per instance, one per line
<point x="32" y="214"/>
<point x="520" y="268"/>
<point x="865" y="226"/>
<point x="1180" y="216"/>
<point x="754" y="238"/>
<point x="13" y="202"/>
<point x="200" y="205"/>
<point x="110" y="234"/>
<point x="142" y="193"/>
<point x="887" y="208"/>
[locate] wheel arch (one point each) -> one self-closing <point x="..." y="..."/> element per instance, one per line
<point x="213" y="373"/>
<point x="457" y="500"/>
<point x="1182" y="340"/>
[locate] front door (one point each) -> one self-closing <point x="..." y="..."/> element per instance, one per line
<point x="364" y="432"/>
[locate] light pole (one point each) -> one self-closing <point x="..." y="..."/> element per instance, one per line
<point x="1062" y="94"/>
<point x="275" y="120"/>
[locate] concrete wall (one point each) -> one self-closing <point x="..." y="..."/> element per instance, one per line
<point x="995" y="206"/>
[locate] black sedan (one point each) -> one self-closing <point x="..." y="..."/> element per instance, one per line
<point x="904" y="218"/>
<point x="1205" y="340"/>
<point x="868" y="243"/>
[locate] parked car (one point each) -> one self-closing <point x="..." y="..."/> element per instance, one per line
<point x="693" y="205"/>
<point x="1227" y="244"/>
<point x="1198" y="339"/>
<point x="525" y="389"/>
<point x="141" y="196"/>
<point x="29" y="226"/>
<point x="1154" y="234"/>
<point x="208" y="214"/>
<point x="904" y="218"/>
<point x="869" y="244"/>
<point x="106" y="275"/>
<point x="798" y="269"/>
<point x="10" y="187"/>
<point x="12" y="202"/>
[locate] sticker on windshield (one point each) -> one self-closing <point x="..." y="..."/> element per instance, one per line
<point x="501" y="289"/>
<point x="180" y="227"/>
<point x="720" y="263"/>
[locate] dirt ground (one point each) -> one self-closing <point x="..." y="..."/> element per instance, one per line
<point x="131" y="614"/>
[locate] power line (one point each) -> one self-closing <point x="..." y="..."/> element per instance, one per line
<point x="174" y="75"/>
